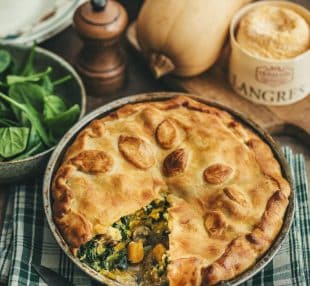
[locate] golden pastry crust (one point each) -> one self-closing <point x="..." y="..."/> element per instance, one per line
<point x="226" y="191"/>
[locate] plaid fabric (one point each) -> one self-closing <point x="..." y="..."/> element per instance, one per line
<point x="26" y="238"/>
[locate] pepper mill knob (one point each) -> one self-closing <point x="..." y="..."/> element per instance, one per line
<point x="101" y="62"/>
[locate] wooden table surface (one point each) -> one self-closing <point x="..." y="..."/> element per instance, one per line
<point x="139" y="80"/>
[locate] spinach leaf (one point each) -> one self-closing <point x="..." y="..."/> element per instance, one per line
<point x="60" y="124"/>
<point x="32" y="151"/>
<point x="53" y="105"/>
<point x="28" y="92"/>
<point x="28" y="68"/>
<point x="12" y="79"/>
<point x="32" y="115"/>
<point x="62" y="80"/>
<point x="4" y="122"/>
<point x="34" y="141"/>
<point x="34" y="145"/>
<point x="5" y="60"/>
<point x="13" y="141"/>
<point x="4" y="110"/>
<point x="47" y="84"/>
<point x="34" y="138"/>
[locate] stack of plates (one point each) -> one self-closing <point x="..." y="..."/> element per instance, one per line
<point x="26" y="21"/>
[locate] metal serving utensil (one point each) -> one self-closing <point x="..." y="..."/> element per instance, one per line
<point x="50" y="277"/>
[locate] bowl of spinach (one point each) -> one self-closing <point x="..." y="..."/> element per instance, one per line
<point x="41" y="98"/>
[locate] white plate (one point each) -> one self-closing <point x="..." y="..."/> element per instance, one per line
<point x="26" y="21"/>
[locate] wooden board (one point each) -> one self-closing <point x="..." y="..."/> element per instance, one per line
<point x="292" y="119"/>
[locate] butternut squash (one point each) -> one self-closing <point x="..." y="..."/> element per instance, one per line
<point x="182" y="36"/>
<point x="158" y="252"/>
<point x="135" y="251"/>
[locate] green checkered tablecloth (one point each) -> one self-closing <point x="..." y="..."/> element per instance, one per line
<point x="26" y="238"/>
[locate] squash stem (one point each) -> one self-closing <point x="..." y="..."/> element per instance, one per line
<point x="161" y="65"/>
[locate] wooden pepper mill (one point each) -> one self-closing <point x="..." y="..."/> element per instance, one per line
<point x="101" y="62"/>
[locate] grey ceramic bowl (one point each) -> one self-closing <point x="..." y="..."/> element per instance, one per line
<point x="58" y="154"/>
<point x="72" y="92"/>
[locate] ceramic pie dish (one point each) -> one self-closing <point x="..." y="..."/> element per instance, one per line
<point x="168" y="189"/>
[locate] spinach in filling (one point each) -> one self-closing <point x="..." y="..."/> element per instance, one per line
<point x="143" y="241"/>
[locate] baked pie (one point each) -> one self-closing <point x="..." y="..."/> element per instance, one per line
<point x="173" y="192"/>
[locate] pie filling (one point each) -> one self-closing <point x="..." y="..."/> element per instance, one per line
<point x="134" y="248"/>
